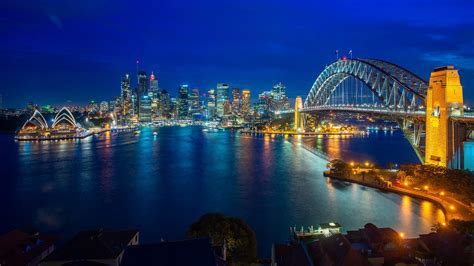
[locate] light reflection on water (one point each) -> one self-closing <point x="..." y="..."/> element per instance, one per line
<point x="161" y="184"/>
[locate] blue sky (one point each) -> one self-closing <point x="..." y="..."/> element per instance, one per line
<point x="55" y="51"/>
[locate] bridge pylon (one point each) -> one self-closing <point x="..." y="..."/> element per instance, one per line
<point x="299" y="120"/>
<point x="444" y="100"/>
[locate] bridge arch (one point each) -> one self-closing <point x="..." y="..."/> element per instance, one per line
<point x="397" y="88"/>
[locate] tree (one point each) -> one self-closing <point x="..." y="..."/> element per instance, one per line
<point x="239" y="238"/>
<point x="339" y="167"/>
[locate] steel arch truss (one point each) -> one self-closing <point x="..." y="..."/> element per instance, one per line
<point x="397" y="88"/>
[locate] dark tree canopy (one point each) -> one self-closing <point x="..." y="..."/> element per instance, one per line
<point x="239" y="237"/>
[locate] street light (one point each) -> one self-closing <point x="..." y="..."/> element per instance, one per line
<point x="367" y="164"/>
<point x="442" y="193"/>
<point x="402" y="235"/>
<point x="352" y="163"/>
<point x="426" y="188"/>
<point x="452" y="207"/>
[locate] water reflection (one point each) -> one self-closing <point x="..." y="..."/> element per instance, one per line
<point x="162" y="184"/>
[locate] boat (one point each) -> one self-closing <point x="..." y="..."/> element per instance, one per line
<point x="155" y="133"/>
<point x="136" y="132"/>
<point x="205" y="129"/>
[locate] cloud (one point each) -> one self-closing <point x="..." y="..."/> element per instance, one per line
<point x="450" y="58"/>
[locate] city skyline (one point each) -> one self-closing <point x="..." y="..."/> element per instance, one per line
<point x="215" y="42"/>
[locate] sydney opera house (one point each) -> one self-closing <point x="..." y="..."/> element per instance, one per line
<point x="64" y="127"/>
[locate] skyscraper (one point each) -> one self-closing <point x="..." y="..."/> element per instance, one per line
<point x="222" y="94"/>
<point x="236" y="101"/>
<point x="194" y="103"/>
<point x="126" y="96"/>
<point x="104" y="107"/>
<point x="211" y="104"/>
<point x="154" y="94"/>
<point x="182" y="102"/>
<point x="145" y="109"/>
<point x="142" y="86"/>
<point x="245" y="102"/>
<point x="280" y="100"/>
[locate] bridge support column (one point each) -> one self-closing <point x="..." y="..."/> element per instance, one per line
<point x="299" y="119"/>
<point x="444" y="99"/>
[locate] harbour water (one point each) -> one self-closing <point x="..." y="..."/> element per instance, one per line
<point x="161" y="184"/>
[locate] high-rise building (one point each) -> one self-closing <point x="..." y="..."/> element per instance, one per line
<point x="104" y="107"/>
<point x="142" y="86"/>
<point x="222" y="95"/>
<point x="154" y="95"/>
<point x="145" y="109"/>
<point x="165" y="104"/>
<point x="126" y="96"/>
<point x="236" y="104"/>
<point x="182" y="102"/>
<point x="280" y="100"/>
<point x="245" y="102"/>
<point x="227" y="107"/>
<point x="211" y="104"/>
<point x="194" y="103"/>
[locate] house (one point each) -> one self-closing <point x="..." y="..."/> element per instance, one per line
<point x="444" y="246"/>
<point x="335" y="250"/>
<point x="93" y="247"/>
<point x="290" y="254"/>
<point x="25" y="247"/>
<point x="197" y="252"/>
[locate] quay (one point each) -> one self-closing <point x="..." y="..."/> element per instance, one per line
<point x="295" y="133"/>
<point x="451" y="208"/>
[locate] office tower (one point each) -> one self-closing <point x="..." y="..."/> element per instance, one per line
<point x="126" y="96"/>
<point x="236" y="104"/>
<point x="104" y="107"/>
<point x="165" y="104"/>
<point x="245" y="109"/>
<point x="227" y="107"/>
<point x="154" y="94"/>
<point x="145" y="109"/>
<point x="280" y="100"/>
<point x="142" y="86"/>
<point x="194" y="103"/>
<point x="182" y="102"/>
<point x="211" y="104"/>
<point x="222" y="95"/>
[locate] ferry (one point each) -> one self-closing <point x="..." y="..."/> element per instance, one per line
<point x="324" y="229"/>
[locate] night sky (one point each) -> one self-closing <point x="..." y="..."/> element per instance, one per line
<point x="57" y="51"/>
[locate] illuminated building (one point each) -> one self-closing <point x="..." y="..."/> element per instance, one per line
<point x="194" y="103"/>
<point x="211" y="104"/>
<point x="92" y="107"/>
<point x="153" y="93"/>
<point x="245" y="102"/>
<point x="280" y="100"/>
<point x="222" y="94"/>
<point x="182" y="102"/>
<point x="444" y="99"/>
<point x="126" y="96"/>
<point x="104" y="107"/>
<point x="145" y="109"/>
<point x="227" y="107"/>
<point x="164" y="106"/>
<point x="236" y="101"/>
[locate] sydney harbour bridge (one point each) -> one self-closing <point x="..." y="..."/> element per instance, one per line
<point x="431" y="111"/>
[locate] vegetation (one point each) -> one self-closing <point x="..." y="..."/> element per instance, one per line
<point x="458" y="184"/>
<point x="339" y="168"/>
<point x="238" y="236"/>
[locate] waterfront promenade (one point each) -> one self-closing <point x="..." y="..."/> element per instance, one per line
<point x="452" y="208"/>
